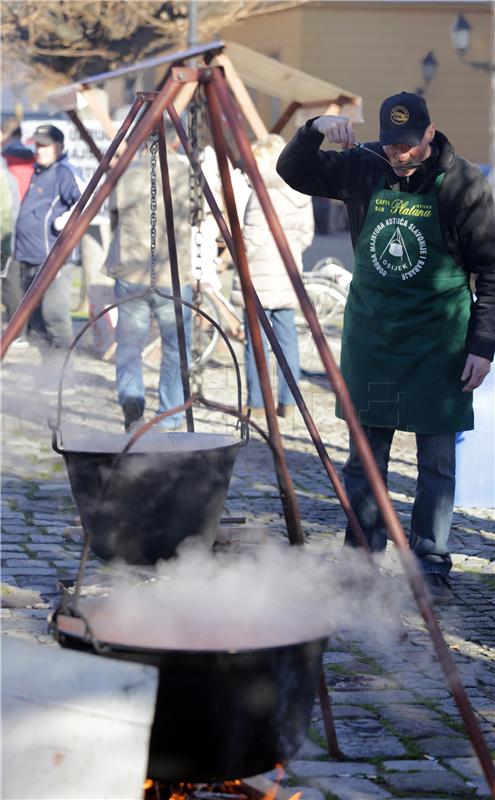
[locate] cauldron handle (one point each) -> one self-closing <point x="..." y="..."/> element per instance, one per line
<point x="73" y="611"/>
<point x="55" y="431"/>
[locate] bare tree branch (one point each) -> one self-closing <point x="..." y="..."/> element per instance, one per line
<point x="72" y="39"/>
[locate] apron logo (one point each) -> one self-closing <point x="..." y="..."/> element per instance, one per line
<point x="398" y="248"/>
<point x="399" y="115"/>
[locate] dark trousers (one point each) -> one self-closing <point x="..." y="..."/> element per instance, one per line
<point x="12" y="291"/>
<point x="51" y="320"/>
<point x="433" y="504"/>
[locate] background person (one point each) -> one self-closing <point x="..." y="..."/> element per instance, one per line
<point x="128" y="261"/>
<point x="52" y="192"/>
<point x="19" y="161"/>
<point x="415" y="342"/>
<point x="268" y="273"/>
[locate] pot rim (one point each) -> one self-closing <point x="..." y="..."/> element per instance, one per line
<point x="59" y="631"/>
<point x="219" y="441"/>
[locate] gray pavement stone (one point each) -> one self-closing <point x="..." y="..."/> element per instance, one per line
<point x="471" y="770"/>
<point x="446" y="746"/>
<point x="366" y="738"/>
<point x="416" y="765"/>
<point x="322" y="769"/>
<point x="435" y="781"/>
<point x="352" y="788"/>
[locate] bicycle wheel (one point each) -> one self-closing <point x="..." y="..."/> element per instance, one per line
<point x="204" y="334"/>
<point x="328" y="300"/>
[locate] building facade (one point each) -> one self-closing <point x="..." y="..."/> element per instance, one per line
<point x="375" y="49"/>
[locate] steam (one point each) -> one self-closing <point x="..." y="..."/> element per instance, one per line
<point x="277" y="596"/>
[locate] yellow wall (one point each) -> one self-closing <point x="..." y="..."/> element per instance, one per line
<point x="374" y="49"/>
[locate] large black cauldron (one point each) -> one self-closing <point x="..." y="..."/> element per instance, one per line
<point x="141" y="505"/>
<point x="222" y="714"/>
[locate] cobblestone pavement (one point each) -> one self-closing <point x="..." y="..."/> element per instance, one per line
<point x="396" y="721"/>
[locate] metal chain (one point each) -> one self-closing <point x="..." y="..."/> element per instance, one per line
<point x="153" y="207"/>
<point x="196" y="136"/>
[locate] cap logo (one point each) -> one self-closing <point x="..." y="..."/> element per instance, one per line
<point x="399" y="115"/>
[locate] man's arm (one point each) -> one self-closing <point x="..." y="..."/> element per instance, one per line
<point x="472" y="214"/>
<point x="68" y="188"/>
<point x="312" y="171"/>
<point x="473" y="219"/>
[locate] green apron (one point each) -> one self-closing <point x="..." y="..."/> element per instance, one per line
<point x="406" y="320"/>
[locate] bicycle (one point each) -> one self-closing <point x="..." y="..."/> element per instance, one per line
<point x="327" y="286"/>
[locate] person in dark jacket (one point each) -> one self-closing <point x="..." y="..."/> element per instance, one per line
<point x="19" y="161"/>
<point x="416" y="343"/>
<point x="52" y="192"/>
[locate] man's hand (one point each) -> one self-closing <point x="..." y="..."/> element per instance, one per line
<point x="335" y="129"/>
<point x="475" y="371"/>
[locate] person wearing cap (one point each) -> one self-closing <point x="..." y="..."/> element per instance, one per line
<point x="52" y="192"/>
<point x="416" y="343"/>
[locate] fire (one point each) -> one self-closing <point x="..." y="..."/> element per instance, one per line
<point x="256" y="788"/>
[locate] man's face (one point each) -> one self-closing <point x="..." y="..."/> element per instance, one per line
<point x="46" y="154"/>
<point x="401" y="155"/>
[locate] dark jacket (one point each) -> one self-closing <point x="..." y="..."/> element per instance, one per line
<point x="52" y="191"/>
<point x="465" y="202"/>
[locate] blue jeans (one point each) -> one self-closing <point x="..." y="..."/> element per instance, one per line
<point x="433" y="505"/>
<point x="131" y="335"/>
<point x="283" y="323"/>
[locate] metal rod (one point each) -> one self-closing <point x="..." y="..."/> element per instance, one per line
<point x="328" y="723"/>
<point x="72" y="233"/>
<point x="370" y="467"/>
<point x="285" y="116"/>
<point x="174" y="271"/>
<point x="287" y="494"/>
<point x="85" y="134"/>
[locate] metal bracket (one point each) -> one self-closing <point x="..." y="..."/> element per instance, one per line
<point x="185" y="74"/>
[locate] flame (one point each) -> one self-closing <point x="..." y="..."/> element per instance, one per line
<point x="186" y="791"/>
<point x="275" y="788"/>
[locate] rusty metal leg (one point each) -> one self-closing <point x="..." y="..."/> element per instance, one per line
<point x="328" y="723"/>
<point x="287" y="494"/>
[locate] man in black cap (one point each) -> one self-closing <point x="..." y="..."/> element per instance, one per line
<point x="44" y="210"/>
<point x="416" y="342"/>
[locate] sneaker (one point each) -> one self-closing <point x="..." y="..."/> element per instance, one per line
<point x="133" y="412"/>
<point x="438" y="586"/>
<point x="21" y="343"/>
<point x="167" y="426"/>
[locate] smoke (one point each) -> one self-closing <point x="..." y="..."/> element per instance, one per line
<point x="277" y="596"/>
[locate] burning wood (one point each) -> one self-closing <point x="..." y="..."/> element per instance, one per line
<point x="255" y="788"/>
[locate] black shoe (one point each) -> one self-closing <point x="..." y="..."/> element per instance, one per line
<point x="438" y="586"/>
<point x="133" y="412"/>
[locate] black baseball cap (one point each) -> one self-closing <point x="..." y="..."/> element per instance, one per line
<point x="48" y="134"/>
<point x="404" y="119"/>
